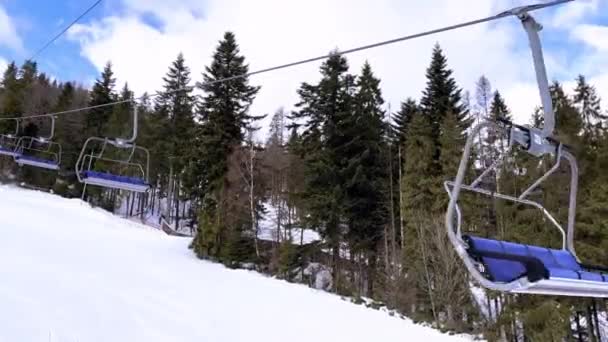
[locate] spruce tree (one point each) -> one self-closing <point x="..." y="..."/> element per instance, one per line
<point x="365" y="173"/>
<point x="499" y="109"/>
<point x="120" y="122"/>
<point x="326" y="107"/>
<point x="68" y="130"/>
<point x="402" y="118"/>
<point x="176" y="104"/>
<point x="174" y="110"/>
<point x="225" y="116"/>
<point x="11" y="99"/>
<point x="419" y="195"/>
<point x="588" y="104"/>
<point x="451" y="143"/>
<point x="441" y="95"/>
<point x="102" y="93"/>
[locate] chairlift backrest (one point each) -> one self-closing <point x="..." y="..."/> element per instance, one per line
<point x="39" y="151"/>
<point x="123" y="174"/>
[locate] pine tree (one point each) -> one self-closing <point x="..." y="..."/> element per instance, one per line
<point x="326" y="107"/>
<point x="402" y="118"/>
<point x="451" y="143"/>
<point x="120" y="123"/>
<point x="483" y="95"/>
<point x="419" y="194"/>
<point x="588" y="104"/>
<point x="174" y="134"/>
<point x="499" y="109"/>
<point x="11" y="99"/>
<point x="365" y="173"/>
<point x="69" y="128"/>
<point x="27" y="76"/>
<point x="176" y="104"/>
<point x="102" y="93"/>
<point x="228" y="102"/>
<point x="224" y="112"/>
<point x="442" y="95"/>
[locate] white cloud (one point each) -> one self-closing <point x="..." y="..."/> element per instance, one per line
<point x="573" y="13"/>
<point x="593" y="59"/>
<point x="595" y="36"/>
<point x="272" y="32"/>
<point x="3" y="65"/>
<point x="8" y="32"/>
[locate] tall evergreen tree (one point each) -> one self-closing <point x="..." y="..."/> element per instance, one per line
<point x="419" y="194"/>
<point x="102" y="93"/>
<point x="120" y="122"/>
<point x="365" y="172"/>
<point x="10" y="97"/>
<point x="176" y="104"/>
<point x="588" y="103"/>
<point x="225" y="116"/>
<point x="442" y="95"/>
<point x="402" y="118"/>
<point x="326" y="107"/>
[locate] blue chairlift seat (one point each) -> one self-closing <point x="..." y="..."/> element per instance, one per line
<point x="22" y="159"/>
<point x="552" y="269"/>
<point x="7" y="151"/>
<point x="115" y="181"/>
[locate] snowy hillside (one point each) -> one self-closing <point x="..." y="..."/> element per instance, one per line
<point x="72" y="273"/>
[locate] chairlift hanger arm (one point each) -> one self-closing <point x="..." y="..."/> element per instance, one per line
<point x="51" y="135"/>
<point x="128" y="142"/>
<point x="16" y="129"/>
<point x="536" y="141"/>
<point x="533" y="28"/>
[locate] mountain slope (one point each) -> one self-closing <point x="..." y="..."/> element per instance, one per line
<point x="73" y="273"/>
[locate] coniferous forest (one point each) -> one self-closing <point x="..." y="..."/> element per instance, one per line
<point x="368" y="181"/>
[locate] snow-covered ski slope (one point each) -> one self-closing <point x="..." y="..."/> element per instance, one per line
<point x="73" y="273"/>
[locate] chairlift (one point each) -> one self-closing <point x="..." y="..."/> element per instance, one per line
<point x="510" y="267"/>
<point x="99" y="169"/>
<point x="9" y="141"/>
<point x="41" y="152"/>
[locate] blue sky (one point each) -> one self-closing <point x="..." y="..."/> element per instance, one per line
<point x="37" y="21"/>
<point x="142" y="37"/>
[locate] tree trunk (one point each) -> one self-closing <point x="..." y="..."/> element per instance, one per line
<point x="590" y="324"/>
<point x="132" y="205"/>
<point x="279" y="213"/>
<point x="169" y="192"/>
<point x="390" y="277"/>
<point x="153" y="204"/>
<point x="301" y="235"/>
<point x="596" y="320"/>
<point x="402" y="226"/>
<point x="127" y="201"/>
<point x="254" y="225"/>
<point x="371" y="273"/>
<point x="489" y="303"/>
<point x="579" y="332"/>
<point x="176" y="198"/>
<point x="336" y="263"/>
<point x="426" y="272"/>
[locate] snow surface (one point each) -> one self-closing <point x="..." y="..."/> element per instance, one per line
<point x="267" y="228"/>
<point x="73" y="273"/>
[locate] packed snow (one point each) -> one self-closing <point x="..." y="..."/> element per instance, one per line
<point x="74" y="273"/>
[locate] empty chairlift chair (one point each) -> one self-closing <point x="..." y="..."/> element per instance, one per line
<point x="514" y="267"/>
<point x="10" y="141"/>
<point x="40" y="152"/>
<point x="115" y="163"/>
